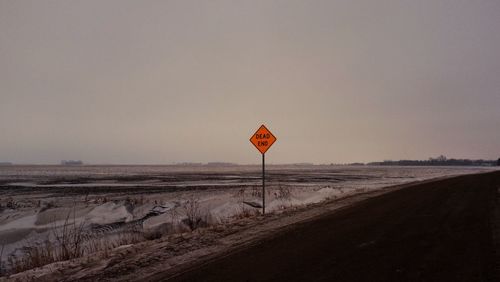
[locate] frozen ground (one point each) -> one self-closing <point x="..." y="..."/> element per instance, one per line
<point x="107" y="200"/>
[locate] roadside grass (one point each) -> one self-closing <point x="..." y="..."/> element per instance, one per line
<point x="71" y="240"/>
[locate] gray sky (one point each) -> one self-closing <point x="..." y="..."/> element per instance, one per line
<point x="172" y="81"/>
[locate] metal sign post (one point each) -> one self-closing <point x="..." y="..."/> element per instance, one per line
<point x="263" y="184"/>
<point x="263" y="139"/>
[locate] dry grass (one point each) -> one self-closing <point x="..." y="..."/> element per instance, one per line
<point x="257" y="192"/>
<point x="192" y="210"/>
<point x="283" y="193"/>
<point x="246" y="212"/>
<point x="71" y="240"/>
<point x="34" y="255"/>
<point x="105" y="244"/>
<point x="68" y="244"/>
<point x="3" y="271"/>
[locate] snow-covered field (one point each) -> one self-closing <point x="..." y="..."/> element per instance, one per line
<point x="36" y="201"/>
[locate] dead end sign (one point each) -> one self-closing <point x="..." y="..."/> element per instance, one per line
<point x="263" y="139"/>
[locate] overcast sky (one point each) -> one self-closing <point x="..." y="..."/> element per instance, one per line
<point x="174" y="81"/>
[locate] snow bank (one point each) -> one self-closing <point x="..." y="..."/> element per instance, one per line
<point x="108" y="213"/>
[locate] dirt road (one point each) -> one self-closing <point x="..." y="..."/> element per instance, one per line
<point x="438" y="231"/>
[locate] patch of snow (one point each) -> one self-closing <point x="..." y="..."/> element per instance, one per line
<point x="21" y="223"/>
<point x="109" y="213"/>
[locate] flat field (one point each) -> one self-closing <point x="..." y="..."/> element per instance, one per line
<point x="110" y="203"/>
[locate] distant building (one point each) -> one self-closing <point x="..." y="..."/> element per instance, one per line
<point x="71" y="162"/>
<point x="5" y="163"/>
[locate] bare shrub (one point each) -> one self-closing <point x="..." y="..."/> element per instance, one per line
<point x="193" y="215"/>
<point x="11" y="204"/>
<point x="283" y="193"/>
<point x="177" y="224"/>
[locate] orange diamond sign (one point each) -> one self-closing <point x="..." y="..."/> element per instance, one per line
<point x="263" y="139"/>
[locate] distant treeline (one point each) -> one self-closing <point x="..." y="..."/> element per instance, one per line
<point x="440" y="161"/>
<point x="206" y="164"/>
<point x="71" y="162"/>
